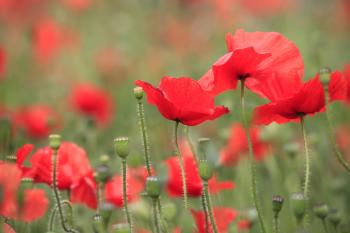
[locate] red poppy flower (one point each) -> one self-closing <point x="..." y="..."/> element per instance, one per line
<point x="114" y="188"/>
<point x="35" y="205"/>
<point x="84" y="191"/>
<point x="21" y="155"/>
<point x="223" y="217"/>
<point x="306" y="100"/>
<point x="38" y="121"/>
<point x="244" y="225"/>
<point x="254" y="57"/>
<point x="3" y="60"/>
<point x="92" y="101"/>
<point x="182" y="99"/>
<point x="193" y="180"/>
<point x="237" y="145"/>
<point x="339" y="85"/>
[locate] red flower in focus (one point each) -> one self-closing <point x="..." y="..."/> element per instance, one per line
<point x="223" y="217"/>
<point x="38" y="121"/>
<point x="135" y="185"/>
<point x="73" y="172"/>
<point x="237" y="145"/>
<point x="193" y="180"/>
<point x="77" y="5"/>
<point x="243" y="225"/>
<point x="339" y="85"/>
<point x="307" y="99"/>
<point x="182" y="99"/>
<point x="92" y="101"/>
<point x="253" y="57"/>
<point x="3" y="61"/>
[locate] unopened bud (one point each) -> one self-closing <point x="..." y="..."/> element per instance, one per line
<point x="121" y="145"/>
<point x="321" y="211"/>
<point x="325" y="75"/>
<point x="277" y="203"/>
<point x="298" y="202"/>
<point x="153" y="187"/>
<point x="205" y="170"/>
<point x="55" y="141"/>
<point x="138" y="92"/>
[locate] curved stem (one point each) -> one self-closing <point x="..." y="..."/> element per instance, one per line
<point x="183" y="174"/>
<point x="53" y="214"/>
<point x="208" y="205"/>
<point x="155" y="215"/>
<point x="204" y="207"/>
<point x="125" y="199"/>
<point x="307" y="159"/>
<point x="146" y="148"/>
<point x="251" y="160"/>
<point x="57" y="195"/>
<point x="330" y="130"/>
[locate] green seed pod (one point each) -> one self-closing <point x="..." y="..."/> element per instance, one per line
<point x="277" y="203"/>
<point x="138" y="92"/>
<point x="121" y="228"/>
<point x="298" y="203"/>
<point x="26" y="183"/>
<point x="203" y="147"/>
<point x="153" y="187"/>
<point x="104" y="159"/>
<point x="334" y="217"/>
<point x="55" y="141"/>
<point x="321" y="211"/>
<point x="169" y="211"/>
<point x="325" y="75"/>
<point x="121" y="145"/>
<point x="11" y="158"/>
<point x="205" y="170"/>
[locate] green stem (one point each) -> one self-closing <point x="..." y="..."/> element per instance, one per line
<point x="162" y="221"/>
<point x="155" y="215"/>
<point x="330" y="130"/>
<point x="276" y="224"/>
<point x="189" y="140"/>
<point x="183" y="174"/>
<point x="125" y="199"/>
<point x="251" y="160"/>
<point x="146" y="148"/>
<point x="204" y="207"/>
<point x="208" y="206"/>
<point x="53" y="214"/>
<point x="57" y="195"/>
<point x="325" y="225"/>
<point x="307" y="159"/>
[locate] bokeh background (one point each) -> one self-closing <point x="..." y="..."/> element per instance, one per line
<point x="50" y="47"/>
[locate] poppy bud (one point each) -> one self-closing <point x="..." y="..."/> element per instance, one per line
<point x="205" y="170"/>
<point x="169" y="211"/>
<point x="321" y="211"/>
<point x="277" y="203"/>
<point x="334" y="217"/>
<point x="55" y="141"/>
<point x="203" y="146"/>
<point x="104" y="159"/>
<point x="153" y="187"/>
<point x="138" y="92"/>
<point x="325" y="75"/>
<point x="121" y="145"/>
<point x="292" y="149"/>
<point x="103" y="173"/>
<point x="298" y="202"/>
<point x="121" y="228"/>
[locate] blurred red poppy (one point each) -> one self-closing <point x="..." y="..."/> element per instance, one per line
<point x="253" y="57"/>
<point x="343" y="139"/>
<point x="21" y="155"/>
<point x="7" y="228"/>
<point x="38" y="121"/>
<point x="35" y="205"/>
<point x="266" y="7"/>
<point x="3" y="61"/>
<point x="182" y="99"/>
<point x="92" y="101"/>
<point x="339" y="85"/>
<point x="223" y="217"/>
<point x="307" y="99"/>
<point x="237" y="145"/>
<point x="244" y="225"/>
<point x="78" y="5"/>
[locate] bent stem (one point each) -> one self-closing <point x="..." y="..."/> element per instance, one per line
<point x="330" y="130"/>
<point x="144" y="135"/>
<point x="251" y="161"/>
<point x="208" y="207"/>
<point x="53" y="214"/>
<point x="57" y="195"/>
<point x="183" y="174"/>
<point x="125" y="199"/>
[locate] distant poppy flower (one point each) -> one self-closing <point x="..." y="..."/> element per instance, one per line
<point x="114" y="188"/>
<point x="78" y="5"/>
<point x="266" y="7"/>
<point x="92" y="101"/>
<point x="21" y="155"/>
<point x="223" y="217"/>
<point x="3" y="61"/>
<point x="307" y="99"/>
<point x="38" y="121"/>
<point x="339" y="85"/>
<point x="244" y="225"/>
<point x="74" y="172"/>
<point x="237" y="145"/>
<point x="253" y="57"/>
<point x="193" y="180"/>
<point x="182" y="99"/>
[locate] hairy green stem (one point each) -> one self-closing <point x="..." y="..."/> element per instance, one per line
<point x="183" y="174"/>
<point x="156" y="215"/>
<point x="307" y="159"/>
<point x="125" y="199"/>
<point x="144" y="135"/>
<point x="57" y="195"/>
<point x="276" y="224"/>
<point x="53" y="214"/>
<point x="204" y="207"/>
<point x="208" y="206"/>
<point x="330" y="130"/>
<point x="251" y="161"/>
